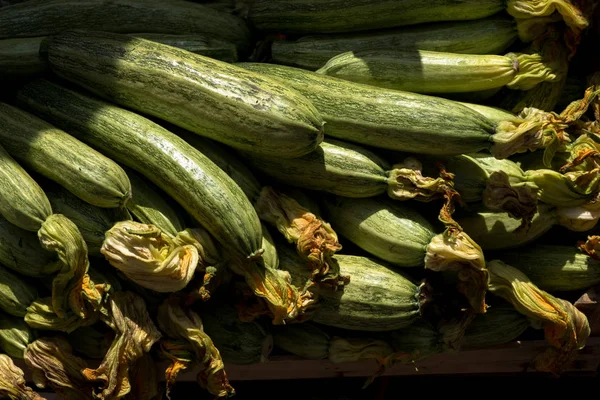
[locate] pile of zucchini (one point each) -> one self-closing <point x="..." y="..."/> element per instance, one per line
<point x="186" y="185"/>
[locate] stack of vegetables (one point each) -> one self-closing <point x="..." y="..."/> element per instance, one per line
<point x="186" y="185"/>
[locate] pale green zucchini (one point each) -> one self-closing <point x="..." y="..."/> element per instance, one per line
<point x="501" y="324"/>
<point x="21" y="57"/>
<point x="490" y="35"/>
<point x="270" y="255"/>
<point x="330" y="16"/>
<point x="200" y="44"/>
<point x="92" y="222"/>
<point x="53" y="153"/>
<point x="49" y="17"/>
<point x="402" y="121"/>
<point x="20" y="250"/>
<point x="15" y="335"/>
<point x="238" y="342"/>
<point x="389" y="230"/>
<point x="554" y="268"/>
<point x="495" y="114"/>
<point x="184" y="173"/>
<point x="429" y="72"/>
<point x="376" y="299"/>
<point x="239" y="108"/>
<point x="16" y="293"/>
<point x="336" y="167"/>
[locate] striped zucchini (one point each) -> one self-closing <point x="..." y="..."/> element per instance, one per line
<point x="214" y="99"/>
<point x="554" y="268"/>
<point x="50" y="17"/>
<point x="185" y="174"/>
<point x="92" y="222"/>
<point x="501" y="324"/>
<point x="330" y="16"/>
<point x="388" y="230"/>
<point x="376" y="299"/>
<point x="494" y="114"/>
<point x="16" y="293"/>
<point x="424" y="71"/>
<point x="490" y="35"/>
<point x="416" y="342"/>
<point x="20" y="57"/>
<point x="57" y="155"/>
<point x="306" y="340"/>
<point x="15" y="335"/>
<point x="205" y="45"/>
<point x="336" y="167"/>
<point x="402" y="121"/>
<point x="20" y="250"/>
<point x="270" y="255"/>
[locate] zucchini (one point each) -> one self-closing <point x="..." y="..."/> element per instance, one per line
<point x="396" y="233"/>
<point x="554" y="268"/>
<point x="407" y="122"/>
<point x="239" y="108"/>
<point x="207" y="193"/>
<point x="490" y="35"/>
<point x="501" y="324"/>
<point x="388" y="230"/>
<point x="424" y="71"/>
<point x="16" y="293"/>
<point x="24" y="203"/>
<point x="306" y="340"/>
<point x="20" y="250"/>
<point x="330" y="16"/>
<point x="416" y="342"/>
<point x="15" y="335"/>
<point x="200" y="44"/>
<point x="91" y="342"/>
<point x="50" y="17"/>
<point x="21" y="58"/>
<point x="53" y="153"/>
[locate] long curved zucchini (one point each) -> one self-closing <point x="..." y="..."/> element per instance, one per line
<point x="388" y="230"/>
<point x="49" y="17"/>
<point x="429" y="72"/>
<point x="51" y="152"/>
<point x="20" y="250"/>
<point x="329" y="16"/>
<point x="223" y="102"/>
<point x="407" y="122"/>
<point x="491" y="35"/>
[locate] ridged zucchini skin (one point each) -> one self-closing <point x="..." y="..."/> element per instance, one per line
<point x="377" y="299"/>
<point x="329" y="16"/>
<point x="16" y="293"/>
<point x="92" y="222"/>
<point x="490" y="35"/>
<point x="21" y="58"/>
<point x="385" y="118"/>
<point x="53" y="153"/>
<point x="388" y="229"/>
<point x="207" y="193"/>
<point x="336" y="167"/>
<point x="242" y="109"/>
<point x="20" y="250"/>
<point x="554" y="268"/>
<point x="50" y="17"/>
<point x="204" y="45"/>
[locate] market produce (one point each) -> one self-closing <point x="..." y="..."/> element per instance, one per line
<point x="193" y="188"/>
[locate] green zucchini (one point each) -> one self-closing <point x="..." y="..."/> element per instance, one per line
<point x="491" y="35"/>
<point x="24" y="203"/>
<point x="388" y="230"/>
<point x="554" y="268"/>
<point x="330" y="16"/>
<point x="51" y="152"/>
<point x="416" y="342"/>
<point x="214" y="99"/>
<point x="21" y="57"/>
<point x="238" y="342"/>
<point x="429" y="72"/>
<point x="50" y="17"/>
<point x="336" y="167"/>
<point x="305" y="340"/>
<point x="20" y="250"/>
<point x="407" y="122"/>
<point x="376" y="299"/>
<point x="92" y="222"/>
<point x="16" y="293"/>
<point x="500" y="325"/>
<point x="495" y="114"/>
<point x="200" y="44"/>
<point x="15" y="335"/>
